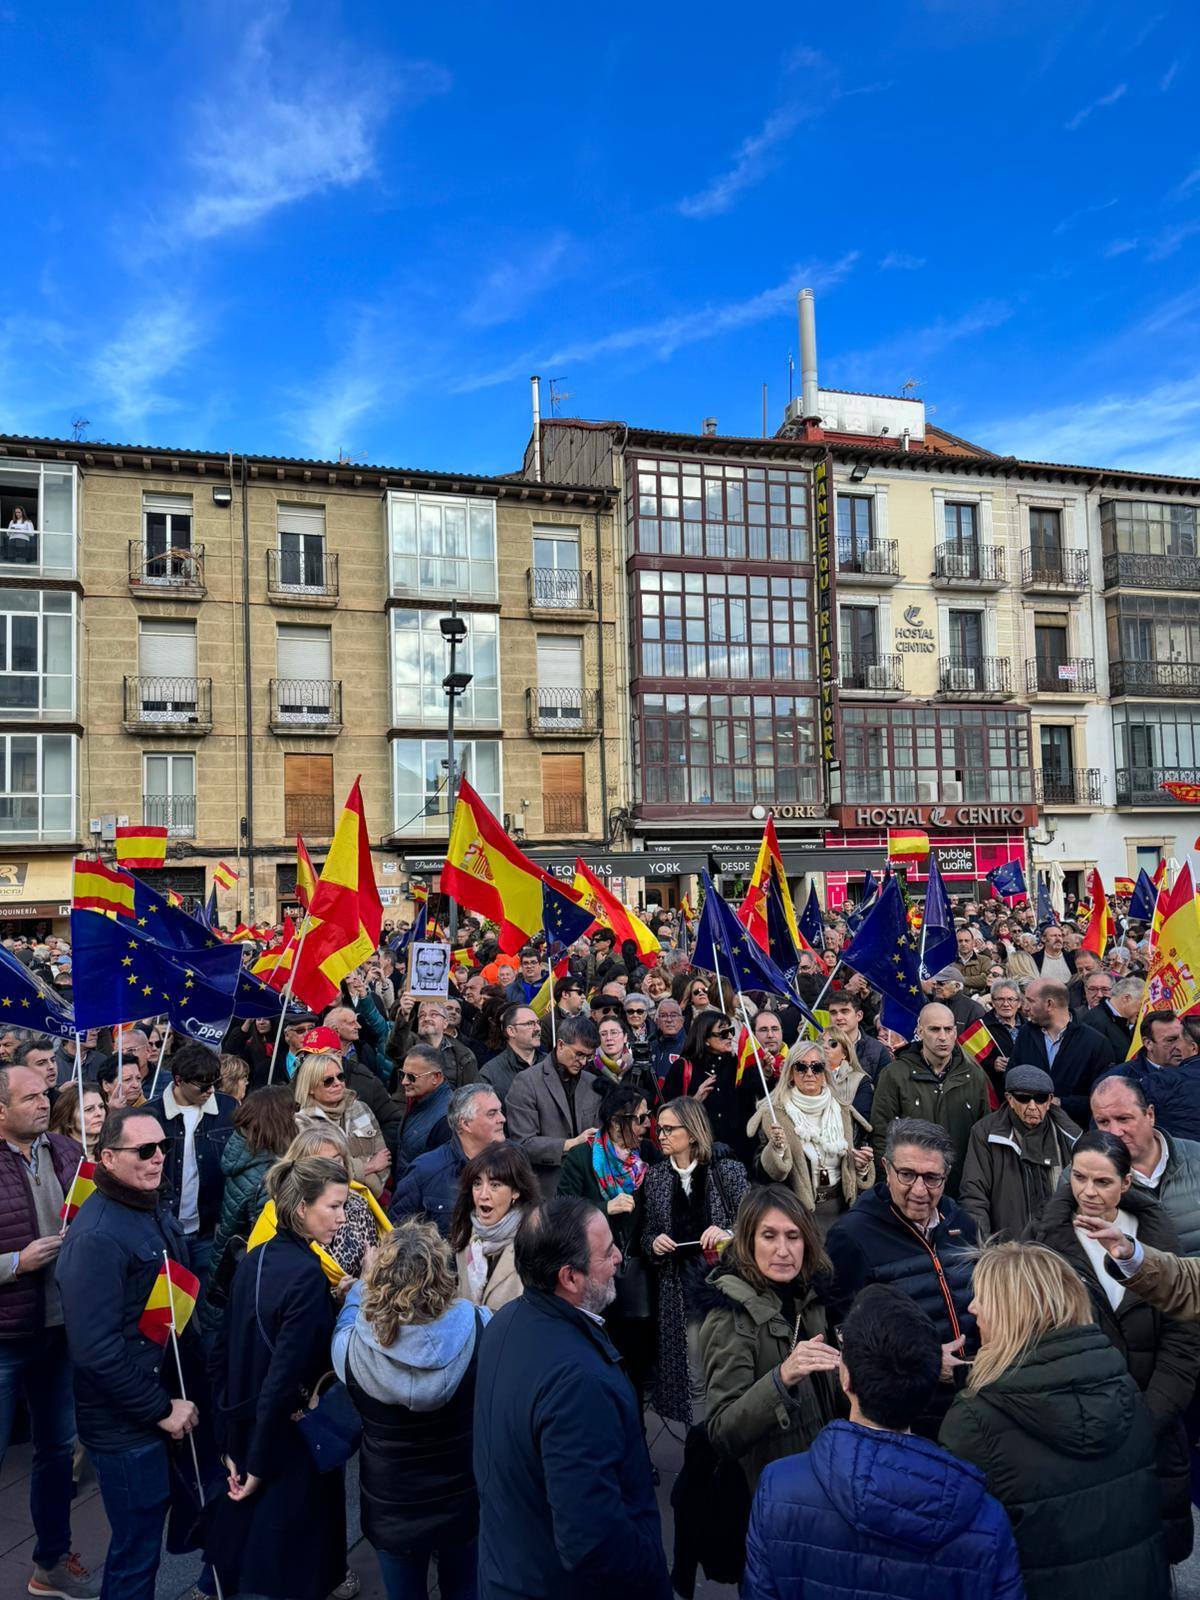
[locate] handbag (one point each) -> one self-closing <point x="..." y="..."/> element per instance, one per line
<point x="329" y="1424"/>
<point x="632" y="1281"/>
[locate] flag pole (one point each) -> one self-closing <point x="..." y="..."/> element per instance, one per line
<point x="837" y="967"/>
<point x="183" y="1396"/>
<point x="121" y="1063"/>
<point x="79" y="1085"/>
<point x="162" y="1050"/>
<point x="67" y="1197"/>
<point x="757" y="1058"/>
<point x="287" y="997"/>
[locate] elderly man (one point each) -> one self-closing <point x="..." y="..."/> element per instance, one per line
<point x="846" y="1011"/>
<point x="670" y="1033"/>
<point x="426" y="1096"/>
<point x="1165" y="1166"/>
<point x="1003" y="1018"/>
<point x="555" y="1105"/>
<point x="1112" y="1009"/>
<point x="1054" y="960"/>
<point x="947" y="987"/>
<point x="1087" y="963"/>
<point x="934" y="1080"/>
<point x="907" y="1233"/>
<point x="973" y="961"/>
<point x="1016" y="1155"/>
<point x="430" y="1186"/>
<point x="1074" y="1055"/>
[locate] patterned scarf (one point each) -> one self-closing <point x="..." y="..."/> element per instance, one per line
<point x="617" y="1171"/>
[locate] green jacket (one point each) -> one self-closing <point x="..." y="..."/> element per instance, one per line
<point x="751" y="1415"/>
<point x="1067" y="1446"/>
<point x="908" y="1087"/>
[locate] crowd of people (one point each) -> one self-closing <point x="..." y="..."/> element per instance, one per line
<point x="913" y="1308"/>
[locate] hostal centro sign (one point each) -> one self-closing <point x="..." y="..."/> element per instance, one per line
<point x="914" y="638"/>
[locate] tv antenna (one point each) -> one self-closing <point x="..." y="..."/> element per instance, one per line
<point x="345" y="458"/>
<point x="77" y="427"/>
<point x="557" y="396"/>
<point x="910" y="384"/>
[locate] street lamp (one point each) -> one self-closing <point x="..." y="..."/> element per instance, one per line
<point x="454" y="631"/>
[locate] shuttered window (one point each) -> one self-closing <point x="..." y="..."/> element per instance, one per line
<point x="305" y="653"/>
<point x="166" y="648"/>
<point x="564" y="800"/>
<point x="308" y="795"/>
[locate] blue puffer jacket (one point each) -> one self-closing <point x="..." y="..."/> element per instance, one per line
<point x="430" y="1186"/>
<point x="866" y="1513"/>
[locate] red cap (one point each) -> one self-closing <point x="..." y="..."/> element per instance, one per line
<point x="321" y="1039"/>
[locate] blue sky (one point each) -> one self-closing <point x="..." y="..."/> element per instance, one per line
<point x="315" y="229"/>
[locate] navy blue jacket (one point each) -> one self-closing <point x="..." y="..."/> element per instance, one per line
<point x="566" y="1497"/>
<point x="430" y="1186"/>
<point x="124" y="1382"/>
<point x="212" y="1134"/>
<point x="1083" y="1056"/>
<point x="866" y="1513"/>
<point x="424" y="1128"/>
<point x="1174" y="1092"/>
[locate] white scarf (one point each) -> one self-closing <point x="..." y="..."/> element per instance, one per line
<point x="684" y="1174"/>
<point x="817" y="1119"/>
<point x="488" y="1239"/>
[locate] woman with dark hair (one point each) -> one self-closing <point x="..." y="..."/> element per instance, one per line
<point x="494" y="1188"/>
<point x="695" y="992"/>
<point x="708" y="1071"/>
<point x="263" y="1127"/>
<point x="73" y="1116"/>
<point x="1161" y="1355"/>
<point x="614" y="1054"/>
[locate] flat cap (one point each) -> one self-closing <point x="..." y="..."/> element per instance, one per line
<point x="1031" y="1080"/>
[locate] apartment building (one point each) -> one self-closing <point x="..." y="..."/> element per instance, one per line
<point x="219" y="645"/>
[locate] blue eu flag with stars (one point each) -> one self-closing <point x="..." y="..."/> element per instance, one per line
<point x="725" y="947"/>
<point x="563" y="919"/>
<point x="882" y="952"/>
<point x="26" y="1002"/>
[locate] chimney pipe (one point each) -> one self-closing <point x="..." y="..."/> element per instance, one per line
<point x="709" y="425"/>
<point x="535" y="386"/>
<point x="809" y="406"/>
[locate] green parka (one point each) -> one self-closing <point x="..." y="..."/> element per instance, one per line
<point x="1067" y="1446"/>
<point x="956" y="1101"/>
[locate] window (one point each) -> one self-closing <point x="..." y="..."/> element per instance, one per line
<point x="1157" y="736"/>
<point x="37" y="653"/>
<point x="557" y="577"/>
<point x="960" y="519"/>
<point x="169" y="793"/>
<point x="167" y="667"/>
<point x="702" y="749"/>
<point x="37" y="786"/>
<point x="443" y="545"/>
<point x="559" y="680"/>
<point x="37" y="518"/>
<point x="302" y="547"/>
<point x="419" y="780"/>
<point x="308" y="796"/>
<point x="1143" y="627"/>
<point x="727" y="513"/>
<point x="1050" y="652"/>
<point x="421" y="660"/>
<point x="564" y="795"/>
<point x="1148" y="858"/>
<point x="1057" y="747"/>
<point x="855" y="525"/>
<point x="965" y="637"/>
<point x="1045" y="540"/>
<point x="305" y="673"/>
<point x="167" y="538"/>
<point x="1145" y="527"/>
<point x="859" y="627"/>
<point x="722" y="626"/>
<point x="925" y="756"/>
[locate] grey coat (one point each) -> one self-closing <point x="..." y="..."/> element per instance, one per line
<point x="503" y="1070"/>
<point x="541" y="1118"/>
<point x="1001" y="1187"/>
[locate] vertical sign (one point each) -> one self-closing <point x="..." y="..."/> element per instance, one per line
<point x="826" y="654"/>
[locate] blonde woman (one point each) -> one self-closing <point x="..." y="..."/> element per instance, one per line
<point x="809" y="1145"/>
<point x="1055" y="1423"/>
<point x="322" y="1097"/>
<point x="406" y="1345"/>
<point x="851" y="1082"/>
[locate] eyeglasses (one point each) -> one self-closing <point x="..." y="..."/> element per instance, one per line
<point x="721" y="1033"/>
<point x="906" y="1178"/>
<point x="411" y="1077"/>
<point x="809" y="1067"/>
<point x="337" y="1077"/>
<point x="665" y="1128"/>
<point x="145" y="1152"/>
<point x="1025" y="1097"/>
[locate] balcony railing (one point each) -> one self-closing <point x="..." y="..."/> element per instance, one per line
<point x="873" y="560"/>
<point x="564" y="813"/>
<point x="175" y="813"/>
<point x="986" y="677"/>
<point x="178" y="571"/>
<point x="1072" y="676"/>
<point x="1154" y="677"/>
<point x="1151" y="572"/>
<point x="1057" y="570"/>
<point x="881" y="674"/>
<point x="302" y="577"/>
<point x="1143" y="786"/>
<point x="169" y="705"/>
<point x="566" y="711"/>
<point x="969" y="563"/>
<point x="311" y="703"/>
<point x="559" y="589"/>
<point x="1066" y="786"/>
<point x="308" y="814"/>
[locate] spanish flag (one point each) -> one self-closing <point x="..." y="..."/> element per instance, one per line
<point x="172" y="1300"/>
<point x="1173" y="983"/>
<point x="1100" y="922"/>
<point x="463" y="957"/>
<point x="174" y="899"/>
<point x="752" y="913"/>
<point x="100" y="888"/>
<point x="745" y="1054"/>
<point x="1124" y="886"/>
<point x="607" y="909"/>
<point x="225" y="875"/>
<point x="485" y="872"/>
<point x="541" y="1002"/>
<point x="977" y="1042"/>
<point x="418" y="893"/>
<point x="1189" y="793"/>
<point x="306" y="877"/>
<point x="274" y="964"/>
<point x="907" y="844"/>
<point x="141" y="847"/>
<point x="242" y="934"/>
<point x="81" y="1187"/>
<point x="345" y="913"/>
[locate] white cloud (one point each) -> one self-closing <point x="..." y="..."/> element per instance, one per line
<point x="127" y="372"/>
<point x="659" y="340"/>
<point x="1109" y="99"/>
<point x="898" y="261"/>
<point x="1073" y="217"/>
<point x="887" y="365"/>
<point x="1185" y="187"/>
<point x="1119" y="247"/>
<point x="1169" y="76"/>
<point x="512" y="285"/>
<point x="751" y="163"/>
<point x="1158" y="431"/>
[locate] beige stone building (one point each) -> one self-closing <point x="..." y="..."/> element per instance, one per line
<point x="219" y="645"/>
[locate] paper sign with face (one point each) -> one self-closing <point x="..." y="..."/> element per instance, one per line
<point x="429" y="970"/>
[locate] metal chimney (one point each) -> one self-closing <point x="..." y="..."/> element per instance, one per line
<point x="809" y="405"/>
<point x="709" y="425"/>
<point x="535" y="387"/>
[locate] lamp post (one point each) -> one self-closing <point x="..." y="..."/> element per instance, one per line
<point x="454" y="631"/>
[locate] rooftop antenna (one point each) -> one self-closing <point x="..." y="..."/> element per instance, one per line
<point x="345" y="458"/>
<point x="557" y="396"/>
<point x="910" y="384"/>
<point x="77" y="427"/>
<point x="791" y="376"/>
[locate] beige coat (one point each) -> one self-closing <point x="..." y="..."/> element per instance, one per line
<point x="357" y="1121"/>
<point x="791" y="1166"/>
<point x="503" y="1283"/>
<point x="1171" y="1284"/>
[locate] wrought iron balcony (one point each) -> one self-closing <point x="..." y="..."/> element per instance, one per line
<point x="975" y="677"/>
<point x="1055" y="571"/>
<point x="168" y="705"/>
<point x="308" y="814"/>
<point x="1143" y="786"/>
<point x="1154" y="677"/>
<point x="175" y="813"/>
<point x="302" y="577"/>
<point x="178" y="572"/>
<point x="872" y="673"/>
<point x="976" y="564"/>
<point x="874" y="561"/>
<point x="562" y="711"/>
<point x="1070" y="676"/>
<point x="1121" y="569"/>
<point x="559" y="589"/>
<point x="314" y="704"/>
<point x="1067" y="786"/>
<point x="564" y="813"/>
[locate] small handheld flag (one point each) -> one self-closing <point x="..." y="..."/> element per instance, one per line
<point x="174" y="1286"/>
<point x="1007" y="881"/>
<point x="745" y="1054"/>
<point x="100" y="888"/>
<point x="81" y="1188"/>
<point x="977" y="1042"/>
<point x="225" y="875"/>
<point x="141" y="847"/>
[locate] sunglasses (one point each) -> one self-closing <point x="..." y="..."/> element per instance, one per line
<point x="204" y="1083"/>
<point x="807" y="1067"/>
<point x="643" y="1119"/>
<point x="145" y="1152"/>
<point x="409" y="1077"/>
<point x="721" y="1033"/>
<point x="337" y="1077"/>
<point x="1026" y="1097"/>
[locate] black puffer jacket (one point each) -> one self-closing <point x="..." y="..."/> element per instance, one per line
<point x="1161" y="1355"/>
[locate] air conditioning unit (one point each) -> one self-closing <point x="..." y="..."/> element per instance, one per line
<point x="878" y="677"/>
<point x="952" y="792"/>
<point x="927" y="792"/>
<point x="875" y="559"/>
<point x="956" y="565"/>
<point x="960" y="680"/>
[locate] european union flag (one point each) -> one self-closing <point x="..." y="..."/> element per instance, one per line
<point x="254" y="998"/>
<point x="122" y="975"/>
<point x="1045" y="911"/>
<point x="1008" y="880"/>
<point x="883" y="953"/>
<point x="26" y="1002"/>
<point x="563" y="918"/>
<point x="417" y="932"/>
<point x="723" y="946"/>
<point x="939" y="942"/>
<point x="206" y="915"/>
<point x="780" y="945"/>
<point x="869" y="891"/>
<point x="811" y="925"/>
<point x="1143" y="899"/>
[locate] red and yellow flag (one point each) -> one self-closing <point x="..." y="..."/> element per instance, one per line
<point x="977" y="1042"/>
<point x="1173" y="983"/>
<point x="1100" y="922"/>
<point x="1189" y="793"/>
<point x="171" y="1303"/>
<point x="100" y="888"/>
<point x="418" y="893"/>
<point x="306" y="877"/>
<point x="752" y="913"/>
<point x="907" y="844"/>
<point x="345" y="911"/>
<point x="1124" y="886"/>
<point x="745" y="1054"/>
<point x="275" y="962"/>
<point x="81" y="1187"/>
<point x="141" y="847"/>
<point x="486" y="873"/>
<point x="225" y="875"/>
<point x="607" y="909"/>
